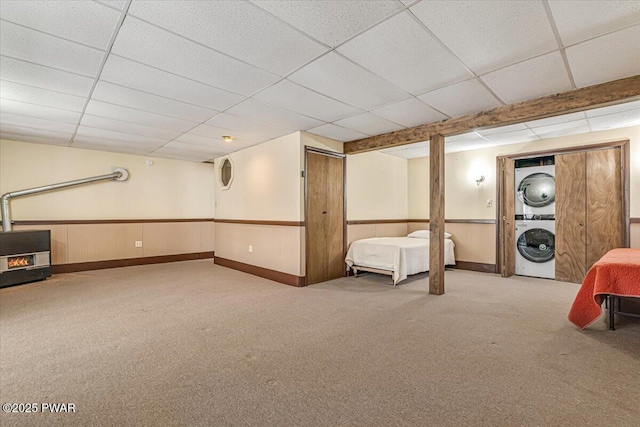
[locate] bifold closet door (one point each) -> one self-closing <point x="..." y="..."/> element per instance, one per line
<point x="571" y="199"/>
<point x="324" y="218"/>
<point x="604" y="203"/>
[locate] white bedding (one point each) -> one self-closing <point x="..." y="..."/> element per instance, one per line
<point x="402" y="255"/>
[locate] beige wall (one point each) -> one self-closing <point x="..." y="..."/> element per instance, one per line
<point x="473" y="242"/>
<point x="364" y="231"/>
<point x="376" y="187"/>
<point x="172" y="189"/>
<point x="465" y="200"/>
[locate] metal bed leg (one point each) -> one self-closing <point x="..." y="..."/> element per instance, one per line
<point x="612" y="312"/>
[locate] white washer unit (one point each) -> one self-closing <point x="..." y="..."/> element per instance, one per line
<point x="536" y="248"/>
<point x="536" y="190"/>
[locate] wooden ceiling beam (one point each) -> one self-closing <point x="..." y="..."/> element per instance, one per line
<point x="603" y="94"/>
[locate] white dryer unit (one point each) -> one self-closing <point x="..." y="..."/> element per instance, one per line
<point x="536" y="248"/>
<point x="535" y="190"/>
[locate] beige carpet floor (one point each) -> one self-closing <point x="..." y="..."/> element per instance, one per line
<point x="196" y="344"/>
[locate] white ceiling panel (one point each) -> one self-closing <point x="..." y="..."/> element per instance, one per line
<point x="40" y="133"/>
<point x="34" y="95"/>
<point x="619" y="108"/>
<point x="581" y="20"/>
<point x="8" y="106"/>
<point x="34" y="139"/>
<point x="131" y="115"/>
<point x="410" y="112"/>
<point x="402" y="52"/>
<point x="238" y="125"/>
<point x="186" y="148"/>
<point x="410" y="153"/>
<point x="243" y="138"/>
<point x="467" y="145"/>
<point x="126" y="127"/>
<point x="340" y="79"/>
<point x="109" y="145"/>
<point x="617" y="57"/>
<point x="614" y="121"/>
<point x="88" y="132"/>
<point x="331" y="22"/>
<point x="113" y="94"/>
<point x="151" y="45"/>
<point x="276" y="116"/>
<point x="44" y="77"/>
<point x="128" y="73"/>
<point x="461" y="98"/>
<point x="556" y="120"/>
<point x="511" y="137"/>
<point x="489" y="35"/>
<point x="182" y="154"/>
<point x="369" y="124"/>
<point x="293" y="97"/>
<point x="61" y="18"/>
<point x="336" y="132"/>
<point x="242" y="31"/>
<point x="501" y="129"/>
<point x="116" y="4"/>
<point x="35" y="123"/>
<point x="193" y="139"/>
<point x="562" y="129"/>
<point x="29" y="45"/>
<point x="540" y="76"/>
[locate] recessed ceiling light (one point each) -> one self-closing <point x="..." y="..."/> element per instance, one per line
<point x="228" y="138"/>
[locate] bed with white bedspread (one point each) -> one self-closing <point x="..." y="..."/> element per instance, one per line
<point x="398" y="257"/>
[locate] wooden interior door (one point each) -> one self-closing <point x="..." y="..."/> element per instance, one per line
<point x="507" y="217"/>
<point x="571" y="231"/>
<point x="605" y="203"/>
<point x="324" y="217"/>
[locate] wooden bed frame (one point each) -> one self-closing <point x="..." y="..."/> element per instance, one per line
<point x="355" y="269"/>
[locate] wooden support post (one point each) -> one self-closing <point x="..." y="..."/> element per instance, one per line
<point x="436" y="215"/>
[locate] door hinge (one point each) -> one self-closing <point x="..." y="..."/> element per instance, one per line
<point x="302" y="174"/>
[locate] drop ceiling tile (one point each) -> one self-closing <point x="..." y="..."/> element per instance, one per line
<point x="402" y="52"/>
<point x="241" y="125"/>
<point x="334" y="76"/>
<point x="502" y="129"/>
<point x="180" y="154"/>
<point x="242" y="31"/>
<point x="151" y="45"/>
<point x="544" y="75"/>
<point x="410" y="153"/>
<point x="113" y="146"/>
<point x="35" y="139"/>
<point x="462" y="137"/>
<point x="581" y="20"/>
<point x="562" y="129"/>
<point x="491" y="34"/>
<point x="35" y="123"/>
<point x="116" y="4"/>
<point x="617" y="120"/>
<point x="44" y="77"/>
<point x="369" y="124"/>
<point x="468" y="145"/>
<point x="461" y="98"/>
<point x="336" y="132"/>
<point x="66" y="19"/>
<point x="511" y="137"/>
<point x="185" y="148"/>
<point x="133" y="128"/>
<point x="8" y="106"/>
<point x="617" y="57"/>
<point x="131" y="74"/>
<point x="34" y="95"/>
<point x="276" y="116"/>
<point x="296" y="98"/>
<point x="113" y="94"/>
<point x="33" y="46"/>
<point x="331" y="22"/>
<point x="556" y="120"/>
<point x="31" y="132"/>
<point x="410" y="112"/>
<point x="87" y="132"/>
<point x="125" y="114"/>
<point x="243" y="138"/>
<point x="190" y="138"/>
<point x="619" y="108"/>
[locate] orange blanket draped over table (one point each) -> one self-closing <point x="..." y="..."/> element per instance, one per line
<point x="616" y="273"/>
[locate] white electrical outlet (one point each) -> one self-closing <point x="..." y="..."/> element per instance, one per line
<point x="138" y="243"/>
<point x="250" y="248"/>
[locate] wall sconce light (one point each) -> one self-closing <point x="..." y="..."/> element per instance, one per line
<point x="479" y="179"/>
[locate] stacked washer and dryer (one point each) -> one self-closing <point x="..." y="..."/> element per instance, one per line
<point x="535" y="209"/>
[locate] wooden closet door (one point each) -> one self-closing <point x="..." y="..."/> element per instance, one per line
<point x="507" y="217"/>
<point x="604" y="203"/>
<point x="324" y="218"/>
<point x="571" y="199"/>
